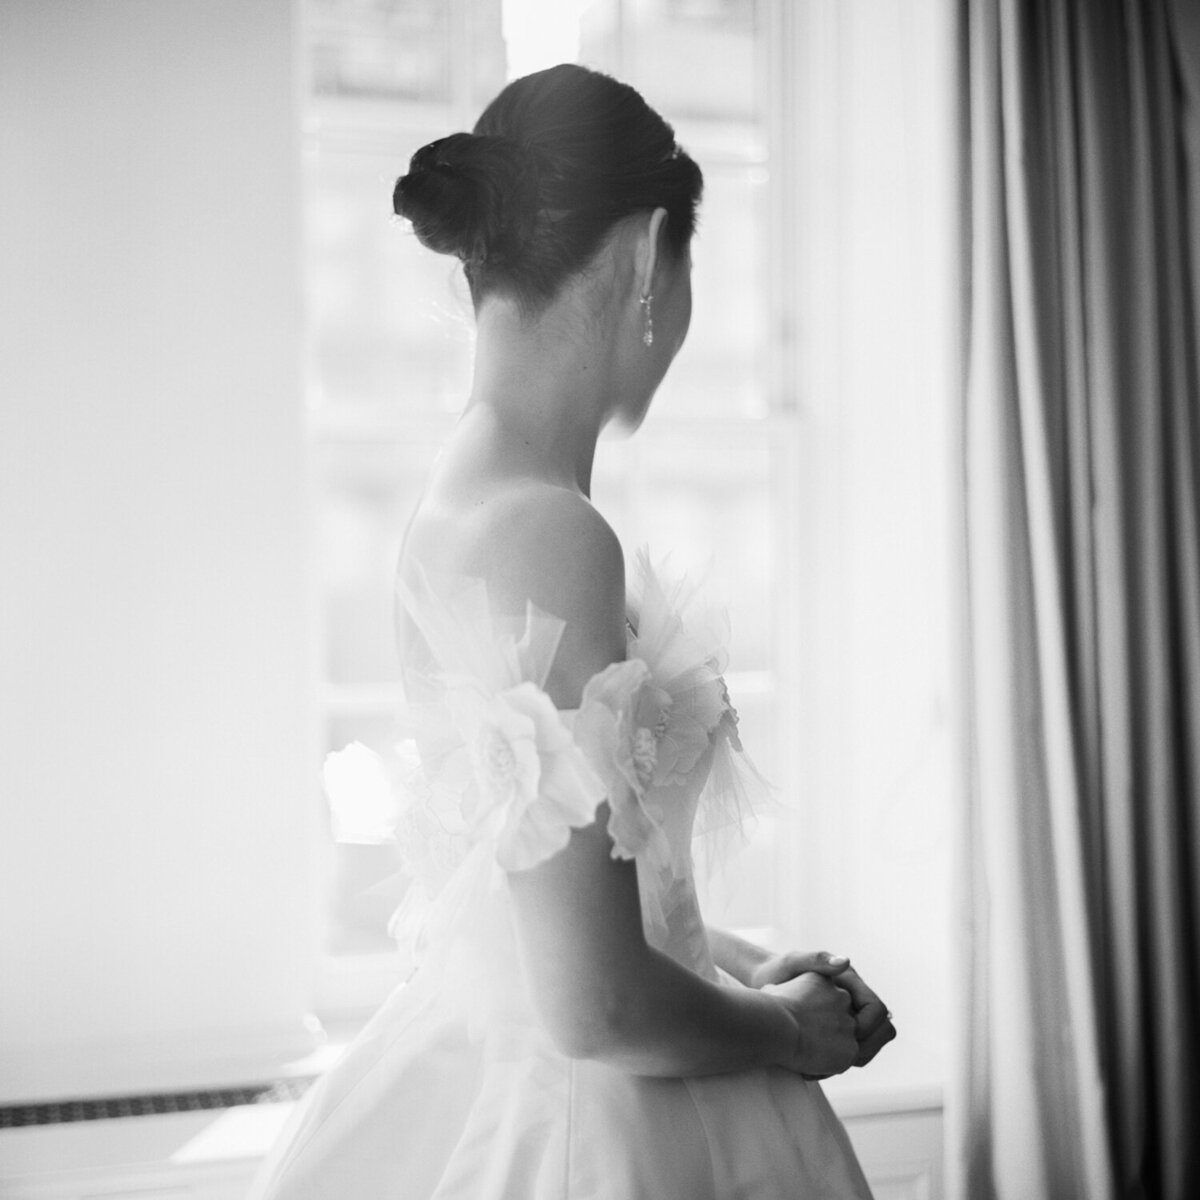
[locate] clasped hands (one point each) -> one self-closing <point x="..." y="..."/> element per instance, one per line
<point x="841" y="1023"/>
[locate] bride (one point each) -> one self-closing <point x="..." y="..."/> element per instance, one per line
<point x="574" y="1030"/>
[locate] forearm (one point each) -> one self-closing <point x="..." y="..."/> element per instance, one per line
<point x="735" y="954"/>
<point x="665" y="1020"/>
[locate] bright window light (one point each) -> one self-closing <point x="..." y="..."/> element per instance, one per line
<point x="540" y="33"/>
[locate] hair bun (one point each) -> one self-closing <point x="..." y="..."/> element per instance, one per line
<point x="470" y="195"/>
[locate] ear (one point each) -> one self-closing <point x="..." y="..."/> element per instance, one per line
<point x="648" y="251"/>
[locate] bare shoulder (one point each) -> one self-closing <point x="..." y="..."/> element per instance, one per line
<point x="550" y="546"/>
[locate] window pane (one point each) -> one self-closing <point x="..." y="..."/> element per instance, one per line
<point x="703" y="495"/>
<point x="365" y="888"/>
<point x="366" y="492"/>
<point x="487" y="66"/>
<point x="720" y="372"/>
<point x="381" y="48"/>
<point x="695" y="60"/>
<point x="365" y="884"/>
<point x="391" y="322"/>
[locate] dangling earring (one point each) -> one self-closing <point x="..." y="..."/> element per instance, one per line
<point x="648" y="332"/>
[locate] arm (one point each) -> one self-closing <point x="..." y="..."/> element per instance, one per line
<point x="603" y="992"/>
<point x="606" y="994"/>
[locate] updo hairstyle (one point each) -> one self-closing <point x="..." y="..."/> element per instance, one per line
<point x="555" y="161"/>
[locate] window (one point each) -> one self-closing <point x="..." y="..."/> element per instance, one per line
<point x="796" y="444"/>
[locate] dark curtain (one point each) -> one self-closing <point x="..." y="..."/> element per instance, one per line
<point x="1080" y="1063"/>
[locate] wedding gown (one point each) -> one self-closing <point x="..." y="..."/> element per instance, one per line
<point x="454" y="1090"/>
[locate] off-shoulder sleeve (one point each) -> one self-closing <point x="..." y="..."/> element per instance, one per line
<point x="618" y="726"/>
<point x="530" y="784"/>
<point x="487" y="733"/>
<point x="527" y="774"/>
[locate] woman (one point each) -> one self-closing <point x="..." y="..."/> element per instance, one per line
<point x="574" y="1030"/>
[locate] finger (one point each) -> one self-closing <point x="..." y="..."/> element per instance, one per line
<point x="869" y="1018"/>
<point x="819" y="961"/>
<point x="875" y="1042"/>
<point x="782" y="967"/>
<point x="869" y="1010"/>
<point x="851" y="981"/>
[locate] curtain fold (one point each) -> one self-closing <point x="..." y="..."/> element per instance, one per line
<point x="1081" y="469"/>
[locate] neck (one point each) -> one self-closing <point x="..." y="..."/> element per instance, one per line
<point x="546" y="388"/>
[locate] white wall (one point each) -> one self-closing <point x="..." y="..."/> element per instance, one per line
<point x="156" y="911"/>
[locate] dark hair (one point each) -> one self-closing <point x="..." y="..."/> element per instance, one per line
<point x="555" y="161"/>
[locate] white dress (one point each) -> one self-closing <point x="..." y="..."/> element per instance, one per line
<point x="454" y="1090"/>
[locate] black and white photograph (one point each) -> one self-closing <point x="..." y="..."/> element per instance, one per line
<point x="599" y="599"/>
